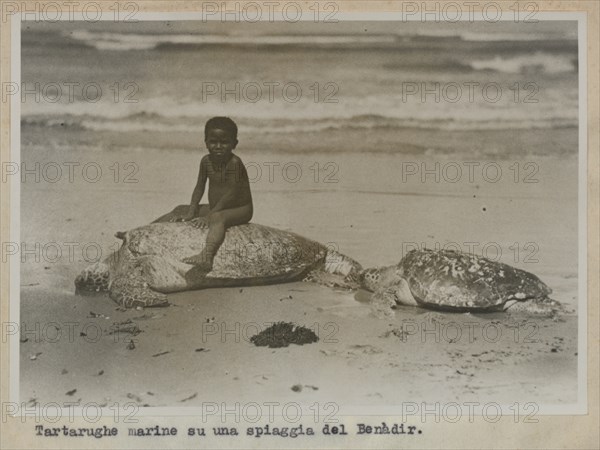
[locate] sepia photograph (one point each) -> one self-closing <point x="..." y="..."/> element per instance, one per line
<point x="310" y="218"/>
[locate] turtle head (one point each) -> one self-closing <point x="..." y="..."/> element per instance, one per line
<point x="525" y="285"/>
<point x="375" y="278"/>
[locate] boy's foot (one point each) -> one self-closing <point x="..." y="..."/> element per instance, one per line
<point x="200" y="262"/>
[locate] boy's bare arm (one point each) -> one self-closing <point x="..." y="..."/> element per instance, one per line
<point x="198" y="191"/>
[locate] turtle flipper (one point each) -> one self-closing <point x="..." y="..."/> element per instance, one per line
<point x="383" y="303"/>
<point x="336" y="271"/>
<point x="545" y="307"/>
<point x="131" y="292"/>
<point x="93" y="279"/>
<point x="330" y="280"/>
<point x="343" y="266"/>
<point x="385" y="299"/>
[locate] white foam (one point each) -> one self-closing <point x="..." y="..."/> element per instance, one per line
<point x="533" y="62"/>
<point x="132" y="41"/>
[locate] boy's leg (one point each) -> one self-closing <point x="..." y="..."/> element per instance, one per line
<point x="203" y="210"/>
<point x="218" y="223"/>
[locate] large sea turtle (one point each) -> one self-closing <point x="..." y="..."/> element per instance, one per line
<point x="449" y="280"/>
<point x="149" y="264"/>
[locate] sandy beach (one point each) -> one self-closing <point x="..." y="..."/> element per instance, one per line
<point x="198" y="349"/>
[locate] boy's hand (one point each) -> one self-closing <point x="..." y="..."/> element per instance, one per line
<point x="179" y="219"/>
<point x="199" y="222"/>
<point x="189" y="216"/>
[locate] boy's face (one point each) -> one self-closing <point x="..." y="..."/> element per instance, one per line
<point x="220" y="144"/>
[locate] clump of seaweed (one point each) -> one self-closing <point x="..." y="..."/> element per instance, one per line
<point x="282" y="334"/>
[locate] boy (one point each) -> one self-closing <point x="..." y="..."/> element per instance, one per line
<point x="229" y="198"/>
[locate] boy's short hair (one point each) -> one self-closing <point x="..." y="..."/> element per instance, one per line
<point x="222" y="123"/>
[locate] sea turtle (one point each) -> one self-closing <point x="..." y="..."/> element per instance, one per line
<point x="450" y="280"/>
<point x="149" y="263"/>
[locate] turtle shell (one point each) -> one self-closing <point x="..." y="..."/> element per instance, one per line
<point x="452" y="280"/>
<point x="250" y="254"/>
